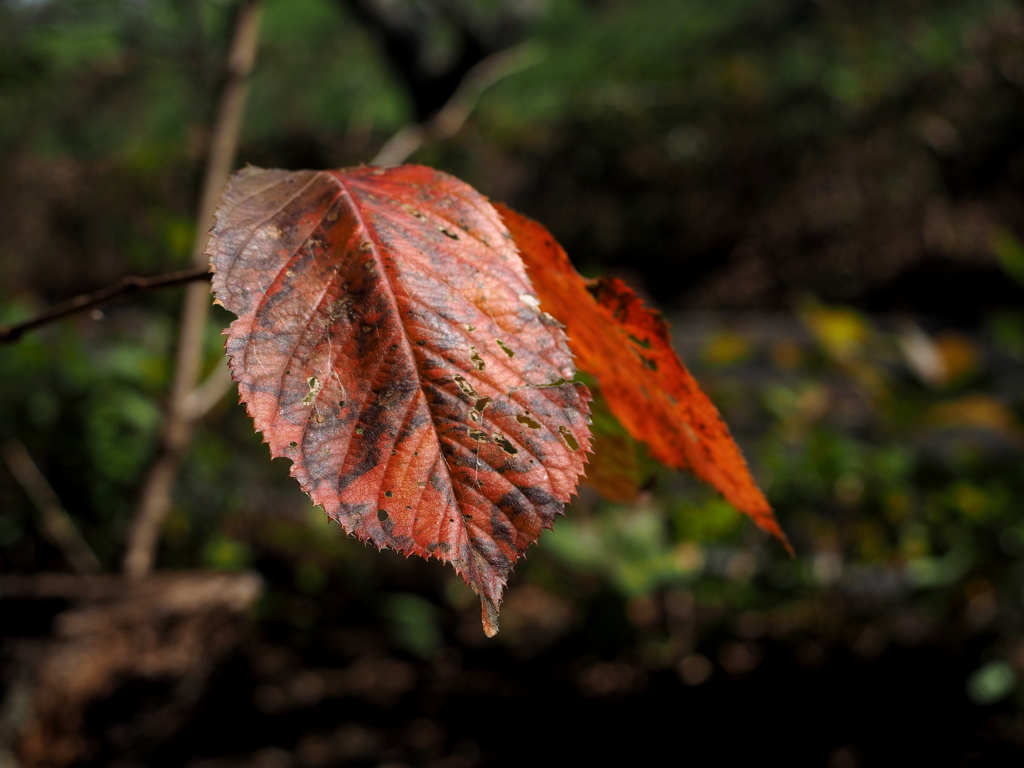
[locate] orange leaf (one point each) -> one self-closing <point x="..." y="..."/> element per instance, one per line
<point x="389" y="343"/>
<point x="626" y="347"/>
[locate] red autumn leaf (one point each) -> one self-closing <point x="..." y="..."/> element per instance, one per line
<point x="389" y="343"/>
<point x="626" y="347"/>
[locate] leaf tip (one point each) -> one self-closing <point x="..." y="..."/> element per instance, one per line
<point x="786" y="543"/>
<point x="489" y="616"/>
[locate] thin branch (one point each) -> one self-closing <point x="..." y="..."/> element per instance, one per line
<point x="155" y="494"/>
<point x="55" y="522"/>
<point x="201" y="399"/>
<point x="126" y="286"/>
<point x="453" y="115"/>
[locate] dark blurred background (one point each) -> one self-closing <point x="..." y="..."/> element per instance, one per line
<point x="823" y="197"/>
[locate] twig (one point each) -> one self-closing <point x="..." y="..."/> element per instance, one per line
<point x="155" y="494"/>
<point x="126" y="286"/>
<point x="56" y="524"/>
<point x="201" y="399"/>
<point x="453" y="115"/>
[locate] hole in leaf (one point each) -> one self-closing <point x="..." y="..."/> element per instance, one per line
<point x="569" y="437"/>
<point x="341" y="403"/>
<point x="448" y="233"/>
<point x="314" y="390"/>
<point x="505" y="443"/>
<point x="480" y="404"/>
<point x="477" y="360"/>
<point x="505" y="348"/>
<point x="382" y="515"/>
<point x="524" y="419"/>
<point x="479" y="436"/>
<point x="466" y="387"/>
<point x="470" y="327"/>
<point x="389" y="494"/>
<point x="690" y="433"/>
<point x="293" y="444"/>
<point x="359" y="430"/>
<point x="474" y="415"/>
<point x="645" y="343"/>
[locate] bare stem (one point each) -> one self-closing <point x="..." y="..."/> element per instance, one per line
<point x="453" y="115"/>
<point x="155" y="495"/>
<point x="126" y="286"/>
<point x="56" y="525"/>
